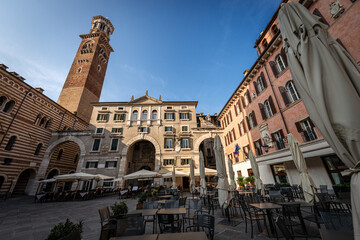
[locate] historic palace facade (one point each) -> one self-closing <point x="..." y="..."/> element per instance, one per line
<point x="265" y="106"/>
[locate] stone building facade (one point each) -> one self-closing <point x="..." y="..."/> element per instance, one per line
<point x="27" y="120"/>
<point x="272" y="108"/>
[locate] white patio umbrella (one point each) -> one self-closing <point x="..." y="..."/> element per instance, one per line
<point x="173" y="177"/>
<point x="142" y="174"/>
<point x="102" y="177"/>
<point x="328" y="81"/>
<point x="202" y="174"/>
<point x="177" y="174"/>
<point x="208" y="172"/>
<point x="192" y="176"/>
<point x="255" y="167"/>
<point x="79" y="176"/>
<point x="223" y="184"/>
<point x="47" y="180"/>
<point x="231" y="175"/>
<point x="306" y="182"/>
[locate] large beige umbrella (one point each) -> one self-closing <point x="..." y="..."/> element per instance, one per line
<point x="202" y="174"/>
<point x="231" y="175"/>
<point x="142" y="174"/>
<point x="255" y="168"/>
<point x="223" y="184"/>
<point x="80" y="176"/>
<point x="192" y="176"/>
<point x="208" y="172"/>
<point x="328" y="81"/>
<point x="306" y="182"/>
<point x="173" y="176"/>
<point x="177" y="174"/>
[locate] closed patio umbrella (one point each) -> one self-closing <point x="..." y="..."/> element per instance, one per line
<point x="306" y="182"/>
<point x="328" y="81"/>
<point x="142" y="174"/>
<point x="223" y="184"/>
<point x="173" y="177"/>
<point x="231" y="175"/>
<point x="202" y="174"/>
<point x="192" y="176"/>
<point x="255" y="168"/>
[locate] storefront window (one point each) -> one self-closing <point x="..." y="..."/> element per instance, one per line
<point x="279" y="173"/>
<point x="334" y="167"/>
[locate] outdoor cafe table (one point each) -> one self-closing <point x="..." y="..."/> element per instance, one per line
<point x="267" y="207"/>
<point x="183" y="236"/>
<point x="162" y="202"/>
<point x="174" y="211"/>
<point x="166" y="196"/>
<point x="137" y="237"/>
<point x="147" y="213"/>
<point x="328" y="234"/>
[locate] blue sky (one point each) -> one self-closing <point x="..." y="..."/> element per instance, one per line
<point x="184" y="50"/>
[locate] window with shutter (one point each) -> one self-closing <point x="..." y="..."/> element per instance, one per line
<point x="239" y="129"/>
<point x="268" y="109"/>
<point x="256" y="87"/>
<point x="284" y="95"/>
<point x="236" y="113"/>
<point x="262" y="111"/>
<point x="272" y="105"/>
<point x="248" y="123"/>
<point x="283" y="56"/>
<point x="10" y="143"/>
<point x="230" y="116"/>
<point x="243" y="101"/>
<point x="254" y="118"/>
<point x="274" y="68"/>
<point x="280" y="63"/>
<point x="292" y="91"/>
<point x="248" y="96"/>
<point x="262" y="75"/>
<point x="239" y="104"/>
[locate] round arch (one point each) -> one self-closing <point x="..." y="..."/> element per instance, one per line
<point x="201" y="139"/>
<point x="51" y="170"/>
<point x="24" y="181"/>
<point x="140" y="138"/>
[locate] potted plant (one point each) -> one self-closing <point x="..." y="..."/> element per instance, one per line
<point x="250" y="180"/>
<point x="66" y="231"/>
<point x="142" y="198"/>
<point x="119" y="209"/>
<point x="241" y="181"/>
<point x="154" y="194"/>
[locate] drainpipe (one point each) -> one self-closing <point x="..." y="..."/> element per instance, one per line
<point x="63" y="114"/>
<point x="13" y="119"/>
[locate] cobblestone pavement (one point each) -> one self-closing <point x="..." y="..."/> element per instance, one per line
<point x="21" y="218"/>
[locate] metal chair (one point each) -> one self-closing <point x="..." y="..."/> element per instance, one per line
<point x="173" y="204"/>
<point x="205" y="222"/>
<point x="168" y="224"/>
<point x="107" y="225"/>
<point x="132" y="225"/>
<point x="292" y="217"/>
<point x="252" y="215"/>
<point x="194" y="204"/>
<point x="182" y="201"/>
<point x="337" y="221"/>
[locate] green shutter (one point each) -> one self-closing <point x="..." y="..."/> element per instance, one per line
<point x="106" y="117"/>
<point x="98" y="117"/>
<point x="174" y="116"/>
<point x="115" y="116"/>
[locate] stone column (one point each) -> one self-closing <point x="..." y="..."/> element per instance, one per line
<point x="139" y="116"/>
<point x="149" y="117"/>
<point x="129" y="118"/>
<point x="159" y="116"/>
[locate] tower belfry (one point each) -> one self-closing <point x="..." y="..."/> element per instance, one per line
<point x="84" y="82"/>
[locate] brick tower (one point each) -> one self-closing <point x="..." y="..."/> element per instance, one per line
<point x="86" y="76"/>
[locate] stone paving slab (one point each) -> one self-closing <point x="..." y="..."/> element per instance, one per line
<point x="21" y="218"/>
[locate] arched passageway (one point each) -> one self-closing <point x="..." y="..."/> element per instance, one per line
<point x="23" y="181"/>
<point x="140" y="155"/>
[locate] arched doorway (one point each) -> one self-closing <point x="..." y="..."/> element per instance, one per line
<point x="207" y="147"/>
<point x="2" y="180"/>
<point x="140" y="155"/>
<point x="23" y="180"/>
<point x="49" y="186"/>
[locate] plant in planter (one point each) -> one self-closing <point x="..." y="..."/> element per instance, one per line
<point x="66" y="231"/>
<point x="241" y="181"/>
<point x="154" y="194"/>
<point x="250" y="180"/>
<point x="119" y="209"/>
<point x="142" y="198"/>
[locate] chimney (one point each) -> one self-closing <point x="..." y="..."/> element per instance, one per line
<point x="40" y="90"/>
<point x="246" y="72"/>
<point x="3" y="66"/>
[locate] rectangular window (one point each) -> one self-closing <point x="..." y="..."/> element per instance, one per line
<point x="258" y="147"/>
<point x="168" y="129"/>
<point x="334" y="167"/>
<point x="306" y="128"/>
<point x="143" y="129"/>
<point x="250" y="172"/>
<point x="108" y="184"/>
<point x="114" y="144"/>
<point x="91" y="164"/>
<point x="169" y="143"/>
<point x="184" y="116"/>
<point x="185" y="128"/>
<point x="185" y="143"/>
<point x="185" y="161"/>
<point x="96" y="145"/>
<point x="239" y="173"/>
<point x="278" y="138"/>
<point x="279" y="173"/>
<point x="102" y="117"/>
<point x="99" y="131"/>
<point x="117" y="130"/>
<point x="119" y="117"/>
<point x="169" y="116"/>
<point x="110" y="164"/>
<point x="168" y="162"/>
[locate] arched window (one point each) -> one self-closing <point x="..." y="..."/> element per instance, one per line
<point x="268" y="110"/>
<point x="2" y="180"/>
<point x="10" y="143"/>
<point x="60" y="154"/>
<point x="292" y="91"/>
<point x="135" y="115"/>
<point x="154" y="114"/>
<point x="265" y="43"/>
<point x="9" y="106"/>
<point x="2" y="101"/>
<point x="251" y="121"/>
<point x="37" y="119"/>
<point x="38" y="149"/>
<point x="275" y="29"/>
<point x="280" y="63"/>
<point x="42" y="122"/>
<point x="48" y="124"/>
<point x="144" y="115"/>
<point x="260" y="84"/>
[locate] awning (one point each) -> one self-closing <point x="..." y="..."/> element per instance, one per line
<point x="75" y="176"/>
<point x="141" y="175"/>
<point x="177" y="174"/>
<point x="102" y="177"/>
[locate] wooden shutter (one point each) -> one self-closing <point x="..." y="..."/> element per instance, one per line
<point x="311" y="123"/>
<point x="256" y="88"/>
<point x="244" y="126"/>
<point x="190" y="143"/>
<point x="284" y="95"/>
<point x="262" y="111"/>
<point x="247" y="122"/>
<point x="262" y="75"/>
<point x="316" y="12"/>
<point x="239" y="129"/>
<point x="274" y="68"/>
<point x="298" y="127"/>
<point x="243" y="101"/>
<point x="248" y="95"/>
<point x="164" y="115"/>
<point x="254" y="118"/>
<point x="106" y="117"/>
<point x="236" y="113"/>
<point x="115" y="116"/>
<point x="239" y="104"/>
<point x="283" y="56"/>
<point x="233" y="130"/>
<point x="273" y="109"/>
<point x="230" y="115"/>
<point x="98" y="117"/>
<point x="173" y="116"/>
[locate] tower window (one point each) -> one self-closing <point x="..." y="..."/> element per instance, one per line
<point x="9" y="106"/>
<point x="38" y="149"/>
<point x="99" y="68"/>
<point x="79" y="70"/>
<point x="10" y="143"/>
<point x="60" y="154"/>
